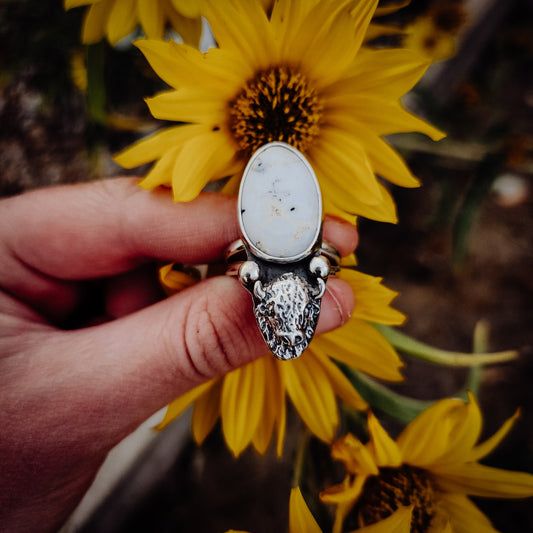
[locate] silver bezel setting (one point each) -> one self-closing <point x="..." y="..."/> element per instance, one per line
<point x="249" y="243"/>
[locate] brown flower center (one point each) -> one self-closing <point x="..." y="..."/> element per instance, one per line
<point x="397" y="487"/>
<point x="448" y="18"/>
<point x="277" y="104"/>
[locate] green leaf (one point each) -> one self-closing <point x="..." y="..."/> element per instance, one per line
<point x="486" y="173"/>
<point x="425" y="352"/>
<point x="381" y="398"/>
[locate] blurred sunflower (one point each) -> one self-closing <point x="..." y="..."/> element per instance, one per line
<point x="300" y="76"/>
<point x="435" y="33"/>
<point x="251" y="401"/>
<point x="433" y="466"/>
<point x="115" y="19"/>
<point x="302" y="521"/>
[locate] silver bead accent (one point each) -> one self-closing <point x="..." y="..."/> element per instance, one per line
<point x="320" y="266"/>
<point x="248" y="272"/>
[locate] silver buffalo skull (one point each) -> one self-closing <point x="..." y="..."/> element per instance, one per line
<point x="287" y="306"/>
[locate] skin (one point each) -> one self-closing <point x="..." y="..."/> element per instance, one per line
<point x="76" y="378"/>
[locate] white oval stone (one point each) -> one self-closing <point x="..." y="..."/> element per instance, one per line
<point x="280" y="205"/>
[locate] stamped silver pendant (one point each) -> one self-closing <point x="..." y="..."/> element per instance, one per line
<point x="285" y="267"/>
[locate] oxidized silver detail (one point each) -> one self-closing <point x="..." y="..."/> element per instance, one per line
<point x="286" y="302"/>
<point x="287" y="313"/>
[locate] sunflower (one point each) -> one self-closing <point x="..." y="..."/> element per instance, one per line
<point x="435" y="33"/>
<point x="433" y="466"/>
<point x="300" y="75"/>
<point x="301" y="519"/>
<point x="118" y="18"/>
<point x="251" y="400"/>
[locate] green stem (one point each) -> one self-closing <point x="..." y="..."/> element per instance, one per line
<point x="423" y="351"/>
<point x="480" y="343"/>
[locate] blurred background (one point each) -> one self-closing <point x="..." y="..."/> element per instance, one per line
<point x="461" y="252"/>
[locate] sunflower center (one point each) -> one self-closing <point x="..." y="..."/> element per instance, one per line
<point x="397" y="487"/>
<point x="277" y="104"/>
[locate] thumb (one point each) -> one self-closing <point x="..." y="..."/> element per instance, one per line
<point x="129" y="368"/>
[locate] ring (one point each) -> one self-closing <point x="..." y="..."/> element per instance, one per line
<point x="281" y="258"/>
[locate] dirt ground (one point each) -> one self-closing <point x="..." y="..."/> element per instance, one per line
<point x="462" y="252"/>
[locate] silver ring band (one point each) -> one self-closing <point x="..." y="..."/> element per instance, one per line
<point x="236" y="255"/>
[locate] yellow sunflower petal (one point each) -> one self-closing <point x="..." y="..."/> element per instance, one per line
<point x="181" y="65"/>
<point x="360" y="346"/>
<point x="332" y="209"/>
<point x="425" y="439"/>
<point x="179" y="405"/>
<point x="385" y="211"/>
<point x="122" y="20"/>
<point x="300" y="518"/>
<point x="273" y="408"/>
<point x="346" y="493"/>
<point x="189" y="29"/>
<point x="361" y="15"/>
<point x="381" y="30"/>
<point x="156" y="145"/>
<point x="288" y="15"/>
<point x="440" y="525"/>
<point x="385" y="161"/>
<point x="492" y="442"/>
<point x="188" y="8"/>
<point x="312" y="394"/>
<point x="343" y="507"/>
<point x="242" y="26"/>
<point x="382" y="447"/>
<point x="341" y="160"/>
<point x="161" y="171"/>
<point x="194" y="167"/>
<point x="242" y="404"/>
<point x="69" y="4"/>
<point x="307" y="23"/>
<point x="464" y="432"/>
<point x="397" y="522"/>
<point x="384" y="116"/>
<point x="331" y="38"/>
<point x="173" y="280"/>
<point x="231" y="187"/>
<point x="187" y="105"/>
<point x="282" y="427"/>
<point x="174" y="65"/>
<point x="94" y="22"/>
<point x="350" y="260"/>
<point x="389" y="73"/>
<point x="381" y="11"/>
<point x="464" y="516"/>
<point x="151" y="18"/>
<point x="372" y="299"/>
<point x="485" y="481"/>
<point x="356" y="457"/>
<point x="206" y="412"/>
<point x="341" y="384"/>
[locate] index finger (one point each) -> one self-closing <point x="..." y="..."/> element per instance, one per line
<point x="51" y="237"/>
<point x="103" y="228"/>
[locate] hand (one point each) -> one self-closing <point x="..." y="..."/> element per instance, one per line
<point x="67" y="396"/>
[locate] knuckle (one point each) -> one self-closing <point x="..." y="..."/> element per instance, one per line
<point x="211" y="338"/>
